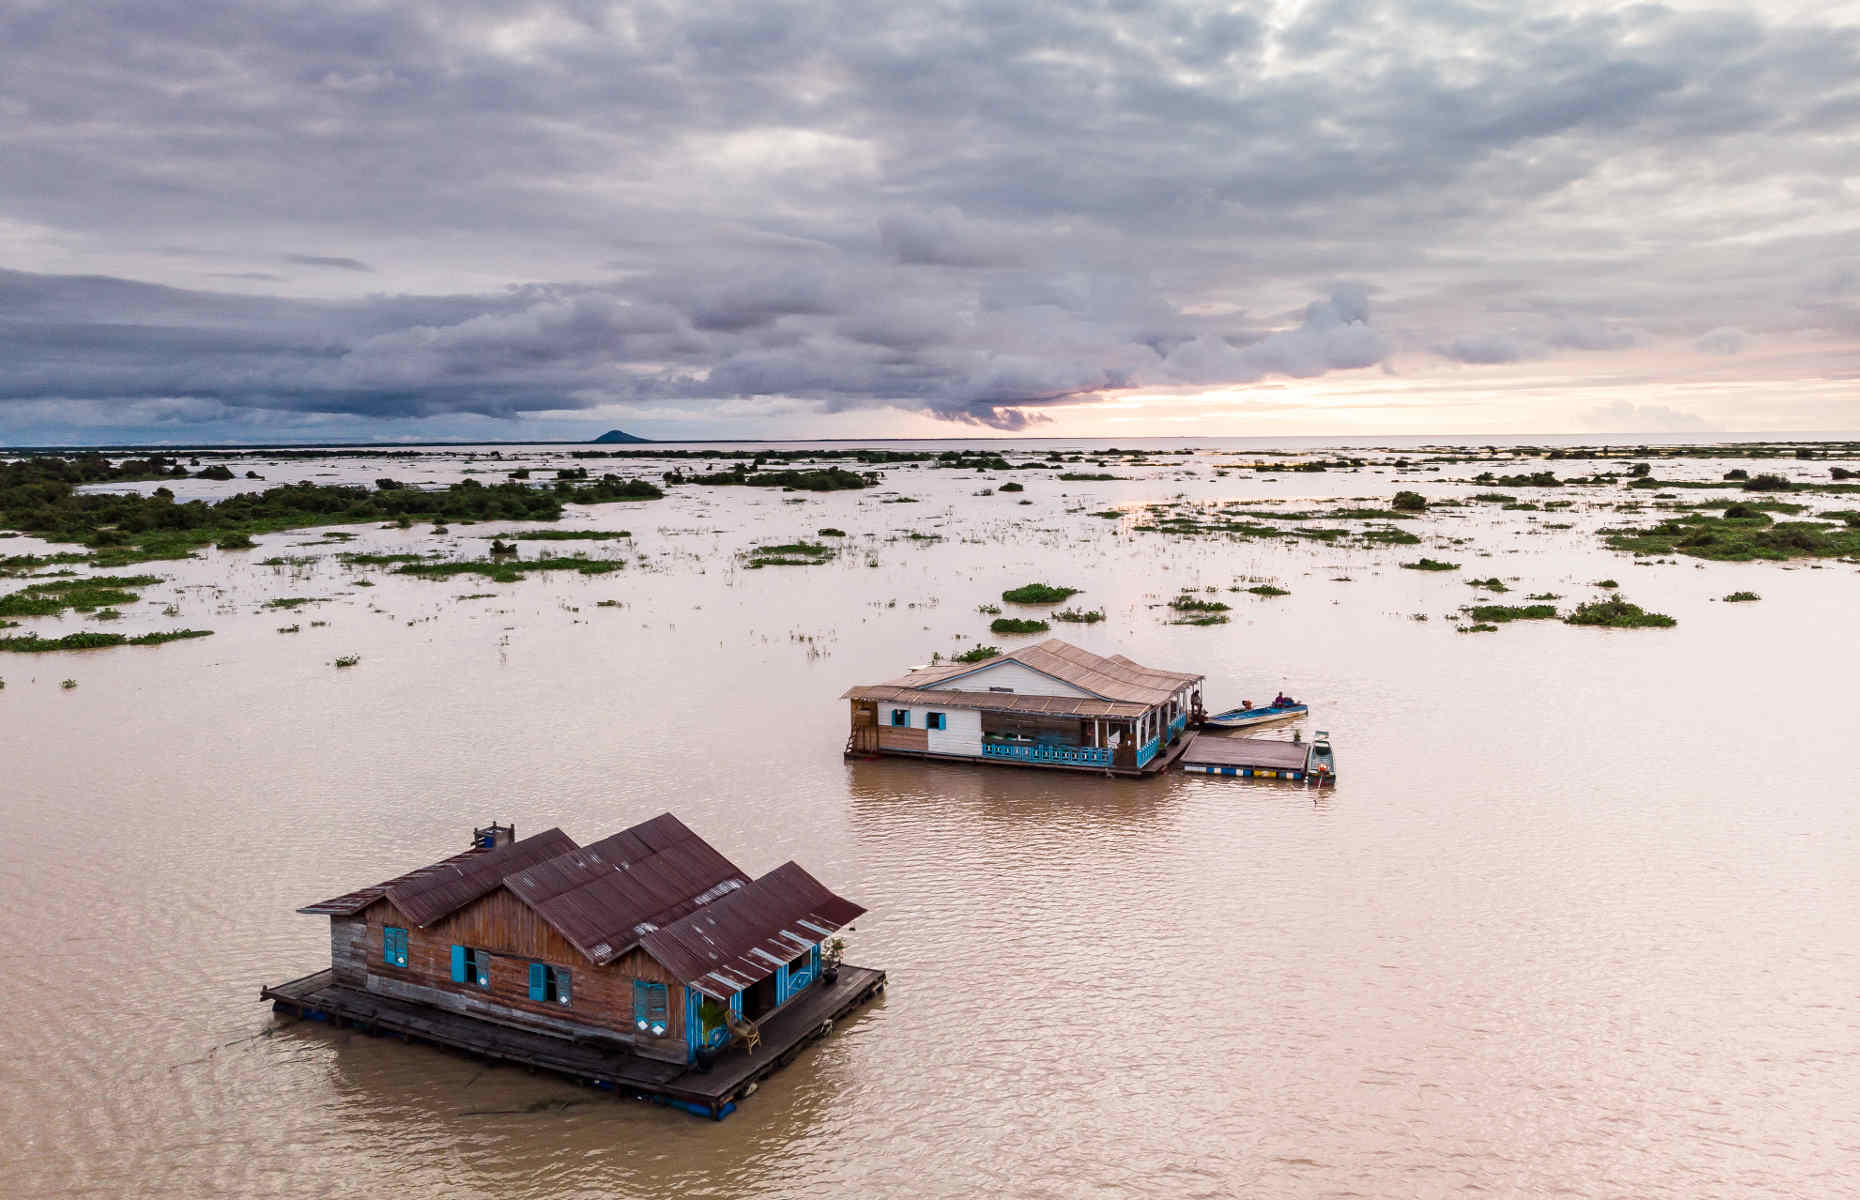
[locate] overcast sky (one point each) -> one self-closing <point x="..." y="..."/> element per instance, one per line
<point x="225" y="219"/>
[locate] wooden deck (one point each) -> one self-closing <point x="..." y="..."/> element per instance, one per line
<point x="714" y="1093"/>
<point x="1246" y="758"/>
<point x="1165" y="758"/>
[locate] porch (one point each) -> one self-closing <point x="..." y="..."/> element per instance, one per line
<point x="786" y="1032"/>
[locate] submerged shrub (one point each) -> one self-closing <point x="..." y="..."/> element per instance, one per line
<point x="1017" y="625"/>
<point x="1616" y="613"/>
<point x="1039" y="593"/>
<point x="976" y="654"/>
<point x="1408" y="502"/>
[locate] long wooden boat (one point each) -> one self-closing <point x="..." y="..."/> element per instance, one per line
<point x="1241" y="718"/>
<point x="1321" y="762"/>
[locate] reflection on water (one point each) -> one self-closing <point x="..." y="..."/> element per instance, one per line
<point x="1574" y="920"/>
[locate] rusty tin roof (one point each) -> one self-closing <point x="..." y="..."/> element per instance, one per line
<point x="603" y="897"/>
<point x="1113" y="679"/>
<point x="744" y="936"/>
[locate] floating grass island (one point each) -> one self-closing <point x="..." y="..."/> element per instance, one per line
<point x="1616" y="613"/>
<point x="32" y="643"/>
<point x="506" y="570"/>
<point x="1039" y="593"/>
<point x="39" y="495"/>
<point x="790" y="554"/>
<point x="1017" y="625"/>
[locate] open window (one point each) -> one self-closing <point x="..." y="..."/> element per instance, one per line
<point x="549" y="984"/>
<point x="901" y="718"/>
<point x="935" y="721"/>
<point x="471" y="965"/>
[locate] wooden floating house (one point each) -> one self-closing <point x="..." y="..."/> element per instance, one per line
<point x="1048" y="705"/>
<point x="646" y="962"/>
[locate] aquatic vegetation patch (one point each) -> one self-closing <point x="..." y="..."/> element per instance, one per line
<point x="1388" y="535"/>
<point x="1266" y="589"/>
<point x="1078" y="616"/>
<point x="82" y="593"/>
<point x="826" y="479"/>
<point x="1616" y="613"/>
<point x="569" y="535"/>
<point x="31" y="643"/>
<point x="507" y="570"/>
<point x="1205" y="618"/>
<point x="1741" y="597"/>
<point x="348" y="660"/>
<point x="790" y="554"/>
<point x="1494" y="584"/>
<point x="829" y="531"/>
<point x="1480" y="627"/>
<point x="1195" y="604"/>
<point x="1039" y="593"/>
<point x="293" y="601"/>
<point x="39" y="495"/>
<point x="1409" y="502"/>
<point x="1745" y="537"/>
<point x="20" y="564"/>
<point x="1086" y="476"/>
<point x="976" y="654"/>
<point x="1499" y="613"/>
<point x="1011" y="486"/>
<point x="1429" y="564"/>
<point x="379" y="560"/>
<point x="1017" y="625"/>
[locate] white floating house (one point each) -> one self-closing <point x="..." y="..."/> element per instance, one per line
<point x="1050" y="705"/>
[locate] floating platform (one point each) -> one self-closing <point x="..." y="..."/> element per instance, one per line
<point x="1247" y="758"/>
<point x="712" y="1093"/>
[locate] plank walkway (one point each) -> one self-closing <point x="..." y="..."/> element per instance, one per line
<point x="1217" y="754"/>
<point x="715" y="1093"/>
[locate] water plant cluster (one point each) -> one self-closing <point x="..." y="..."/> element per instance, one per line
<point x="39" y="495"/>
<point x="1039" y="593"/>
<point x="32" y="643"/>
<point x="790" y="554"/>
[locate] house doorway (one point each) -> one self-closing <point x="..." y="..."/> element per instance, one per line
<point x="759" y="999"/>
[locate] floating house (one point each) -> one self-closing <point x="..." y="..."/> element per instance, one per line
<point x="1048" y="705"/>
<point x="645" y="962"/>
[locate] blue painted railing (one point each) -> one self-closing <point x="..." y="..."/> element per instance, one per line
<point x="1148" y="750"/>
<point x="1034" y="752"/>
<point x="1179" y="724"/>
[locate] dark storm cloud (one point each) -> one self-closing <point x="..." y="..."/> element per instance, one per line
<point x="974" y="211"/>
<point x="324" y="260"/>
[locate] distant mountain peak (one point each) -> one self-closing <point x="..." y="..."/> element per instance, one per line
<point x="614" y="436"/>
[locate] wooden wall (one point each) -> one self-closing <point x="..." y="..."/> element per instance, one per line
<point x="891" y="737"/>
<point x="601" y="998"/>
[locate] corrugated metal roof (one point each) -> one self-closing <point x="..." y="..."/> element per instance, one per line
<point x="1055" y="706"/>
<point x="1114" y="679"/>
<point x="742" y="937"/>
<point x="350" y="903"/>
<point x="450" y="886"/>
<point x="603" y="897"/>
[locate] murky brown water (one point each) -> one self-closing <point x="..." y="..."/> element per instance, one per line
<point x="1582" y="918"/>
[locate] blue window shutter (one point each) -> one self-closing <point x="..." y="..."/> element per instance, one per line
<point x="387" y="945"/>
<point x="458" y="964"/>
<point x="539" y="986"/>
<point x="639" y="1004"/>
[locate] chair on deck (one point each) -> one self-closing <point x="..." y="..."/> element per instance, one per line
<point x="743" y="1029"/>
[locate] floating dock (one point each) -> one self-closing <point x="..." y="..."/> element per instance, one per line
<point x="713" y="1093"/>
<point x="1247" y="758"/>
